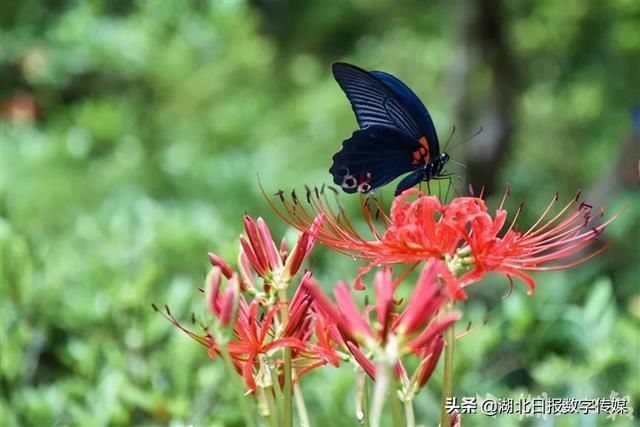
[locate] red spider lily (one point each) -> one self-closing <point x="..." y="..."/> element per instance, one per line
<point x="462" y="233"/>
<point x="254" y="338"/>
<point x="259" y="254"/>
<point x="252" y="333"/>
<point x="415" y="330"/>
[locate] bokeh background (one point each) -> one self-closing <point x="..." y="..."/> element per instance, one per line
<point x="133" y="133"/>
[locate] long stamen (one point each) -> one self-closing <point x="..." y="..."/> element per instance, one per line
<point x="507" y="192"/>
<point x="170" y="317"/>
<point x="515" y="218"/>
<point x="555" y="218"/>
<point x="544" y="214"/>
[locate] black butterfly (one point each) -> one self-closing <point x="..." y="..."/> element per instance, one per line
<point x="396" y="134"/>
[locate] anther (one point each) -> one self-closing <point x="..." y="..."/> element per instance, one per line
<point x="308" y="194"/>
<point x="585" y="206"/>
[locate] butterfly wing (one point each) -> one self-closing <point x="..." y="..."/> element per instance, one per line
<point x="408" y="181"/>
<point x="414" y="107"/>
<point x="373" y="157"/>
<point x="380" y="99"/>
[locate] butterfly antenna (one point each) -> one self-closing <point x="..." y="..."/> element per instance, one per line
<point x="458" y="163"/>
<point x="453" y="130"/>
<point x="467" y="139"/>
<point x="449" y="186"/>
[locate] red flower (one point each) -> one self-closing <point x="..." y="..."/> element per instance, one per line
<point x="254" y="337"/>
<point x="259" y="254"/>
<point x="253" y="330"/>
<point x="462" y="233"/>
<point x="415" y="330"/>
<point x="252" y="334"/>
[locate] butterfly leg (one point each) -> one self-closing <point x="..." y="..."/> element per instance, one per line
<point x="447" y="176"/>
<point x="446" y="197"/>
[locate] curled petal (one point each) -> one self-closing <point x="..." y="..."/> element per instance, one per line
<point x="431" y="360"/>
<point x="225" y="268"/>
<point x="362" y="360"/>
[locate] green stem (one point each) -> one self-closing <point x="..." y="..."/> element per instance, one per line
<point x="244" y="406"/>
<point x="276" y="385"/>
<point x="288" y="402"/>
<point x="362" y="398"/>
<point x="365" y="403"/>
<point x="288" y="392"/>
<point x="383" y="378"/>
<point x="409" y="414"/>
<point x="273" y="408"/>
<point x="447" y="382"/>
<point x="302" y="408"/>
<point x="396" y="412"/>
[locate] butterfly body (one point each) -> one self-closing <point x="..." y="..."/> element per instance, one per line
<point x="396" y="134"/>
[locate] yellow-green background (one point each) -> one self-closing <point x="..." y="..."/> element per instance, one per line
<point x="153" y="119"/>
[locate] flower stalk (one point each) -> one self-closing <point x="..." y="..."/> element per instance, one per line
<point x="244" y="405"/>
<point x="362" y="398"/>
<point x="447" y="382"/>
<point x="288" y="404"/>
<point x="302" y="407"/>
<point x="384" y="373"/>
<point x="396" y="412"/>
<point x="409" y="415"/>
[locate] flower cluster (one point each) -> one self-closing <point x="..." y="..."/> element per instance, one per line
<point x="462" y="233"/>
<point x="255" y="322"/>
<point x="272" y="338"/>
<point x="416" y="330"/>
<point x="251" y="322"/>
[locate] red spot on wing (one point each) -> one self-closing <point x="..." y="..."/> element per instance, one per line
<point x="421" y="155"/>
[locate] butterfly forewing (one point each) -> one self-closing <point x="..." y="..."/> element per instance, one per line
<point x="412" y="106"/>
<point x="373" y="102"/>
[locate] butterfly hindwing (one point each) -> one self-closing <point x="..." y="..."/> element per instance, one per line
<point x="371" y="158"/>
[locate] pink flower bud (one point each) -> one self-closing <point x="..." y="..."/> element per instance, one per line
<point x="212" y="290"/>
<point x="216" y="261"/>
<point x="229" y="302"/>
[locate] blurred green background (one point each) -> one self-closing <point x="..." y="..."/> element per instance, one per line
<point x="133" y="133"/>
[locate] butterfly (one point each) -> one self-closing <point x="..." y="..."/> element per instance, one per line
<point x="396" y="134"/>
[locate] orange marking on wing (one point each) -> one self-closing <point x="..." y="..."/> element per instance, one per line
<point x="424" y="149"/>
